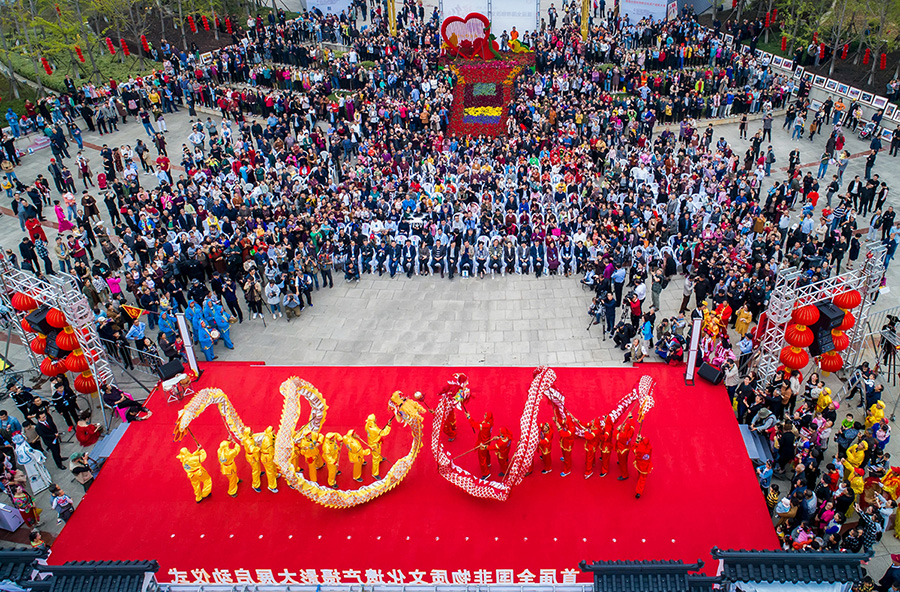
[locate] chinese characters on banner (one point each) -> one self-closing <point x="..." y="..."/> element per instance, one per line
<point x="371" y="576"/>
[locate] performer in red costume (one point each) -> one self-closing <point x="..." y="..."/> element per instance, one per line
<point x="591" y="441"/>
<point x="606" y="444"/>
<point x="642" y="462"/>
<point x="624" y="434"/>
<point x="566" y="442"/>
<point x="449" y="425"/>
<point x="501" y="447"/>
<point x="483" y="433"/>
<point x="545" y="446"/>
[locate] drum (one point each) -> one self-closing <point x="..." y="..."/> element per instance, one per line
<point x="214" y="334"/>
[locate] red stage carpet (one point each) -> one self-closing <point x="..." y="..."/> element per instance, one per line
<point x="701" y="493"/>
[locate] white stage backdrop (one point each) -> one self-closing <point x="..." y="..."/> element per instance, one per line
<point x="329" y="6"/>
<point x="505" y="14"/>
<point x="638" y="9"/>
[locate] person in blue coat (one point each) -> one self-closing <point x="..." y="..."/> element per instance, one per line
<point x="204" y="337"/>
<point x="224" y="327"/>
<point x="168" y="324"/>
<point x="209" y="313"/>
<point x="193" y="313"/>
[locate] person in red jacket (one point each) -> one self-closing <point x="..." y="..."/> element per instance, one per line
<point x="624" y="434"/>
<point x="606" y="443"/>
<point x="642" y="463"/>
<point x="591" y="441"/>
<point x="500" y="446"/>
<point x="566" y="442"/>
<point x="449" y="425"/>
<point x="545" y="447"/>
<point x="483" y="433"/>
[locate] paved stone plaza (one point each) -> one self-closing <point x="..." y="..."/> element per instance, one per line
<point x="514" y="320"/>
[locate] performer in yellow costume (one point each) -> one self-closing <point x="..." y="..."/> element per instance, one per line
<point x="331" y="452"/>
<point x="227" y="453"/>
<point x="192" y="463"/>
<point x="251" y="453"/>
<point x="375" y="436"/>
<point x="356" y="453"/>
<point x="309" y="448"/>
<point x="267" y="456"/>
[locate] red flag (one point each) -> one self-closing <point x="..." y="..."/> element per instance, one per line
<point x="133" y="311"/>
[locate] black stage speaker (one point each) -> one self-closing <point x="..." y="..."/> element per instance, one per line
<point x="822" y="343"/>
<point x="710" y="373"/>
<point x="38" y="320"/>
<point x="173" y="368"/>
<point x="830" y="316"/>
<point x="52" y="350"/>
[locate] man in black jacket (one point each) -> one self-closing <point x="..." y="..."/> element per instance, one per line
<point x="46" y="429"/>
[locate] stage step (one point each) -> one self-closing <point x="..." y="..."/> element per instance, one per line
<point x="104" y="447"/>
<point x="757" y="446"/>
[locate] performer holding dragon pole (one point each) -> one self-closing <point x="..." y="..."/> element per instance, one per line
<point x="624" y="435"/>
<point x="267" y="455"/>
<point x="606" y="444"/>
<point x="566" y="443"/>
<point x="331" y="452"/>
<point x="375" y="437"/>
<point x="356" y="453"/>
<point x="545" y="447"/>
<point x="192" y="463"/>
<point x="483" y="434"/>
<point x="500" y="446"/>
<point x="309" y="448"/>
<point x="228" y="452"/>
<point x="591" y="442"/>
<point x="251" y="453"/>
<point x="642" y="462"/>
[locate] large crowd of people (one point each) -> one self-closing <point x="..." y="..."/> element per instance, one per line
<point x="327" y="164"/>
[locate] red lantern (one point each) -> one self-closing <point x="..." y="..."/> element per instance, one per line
<point x="848" y="300"/>
<point x="805" y="315"/>
<point x="217" y="22"/>
<point x="767" y="20"/>
<point x="844" y="51"/>
<point x="67" y="340"/>
<point x="47" y="67"/>
<point x="39" y="344"/>
<point x="192" y="24"/>
<point x="794" y="357"/>
<point x="205" y="22"/>
<point x="867" y="56"/>
<point x="110" y="46"/>
<point x="783" y="43"/>
<point x="56" y="319"/>
<point x="26" y="326"/>
<point x="144" y="44"/>
<point x="840" y="340"/>
<point x="774" y="14"/>
<point x="80" y="55"/>
<point x="821" y="51"/>
<point x="798" y="335"/>
<point x="733" y="4"/>
<point x="815" y="37"/>
<point x="85" y="383"/>
<point x="848" y="322"/>
<point x="228" y="26"/>
<point x="124" y="47"/>
<point x="883" y="63"/>
<point x="76" y="362"/>
<point x="831" y="362"/>
<point x="23" y="302"/>
<point x="51" y="368"/>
